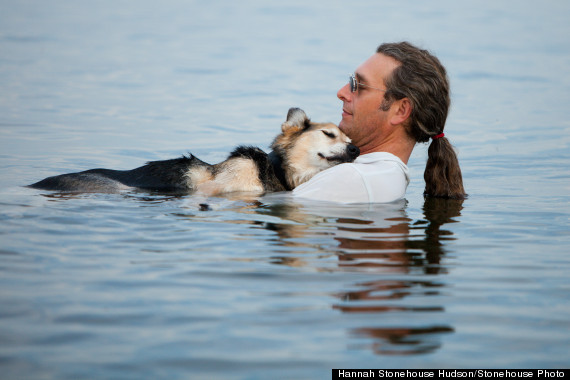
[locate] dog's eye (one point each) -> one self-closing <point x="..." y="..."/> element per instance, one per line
<point x="329" y="134"/>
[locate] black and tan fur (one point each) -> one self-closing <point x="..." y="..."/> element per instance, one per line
<point x="301" y="150"/>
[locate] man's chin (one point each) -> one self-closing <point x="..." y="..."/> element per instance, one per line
<point x="344" y="126"/>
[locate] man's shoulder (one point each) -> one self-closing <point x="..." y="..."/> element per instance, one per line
<point x="378" y="157"/>
<point x="370" y="162"/>
<point x="335" y="176"/>
<point x="345" y="170"/>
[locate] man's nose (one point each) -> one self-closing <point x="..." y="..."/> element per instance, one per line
<point x="344" y="92"/>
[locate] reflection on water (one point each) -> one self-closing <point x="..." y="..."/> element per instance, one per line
<point x="399" y="259"/>
<point x="403" y="256"/>
<point x="400" y="248"/>
<point x="404" y="341"/>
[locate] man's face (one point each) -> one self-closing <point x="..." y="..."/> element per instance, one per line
<point x="362" y="119"/>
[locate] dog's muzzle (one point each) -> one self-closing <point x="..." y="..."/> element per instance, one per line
<point x="350" y="153"/>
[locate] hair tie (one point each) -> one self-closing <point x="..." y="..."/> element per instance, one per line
<point x="438" y="136"/>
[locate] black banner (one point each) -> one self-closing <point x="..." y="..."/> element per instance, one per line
<point x="449" y="373"/>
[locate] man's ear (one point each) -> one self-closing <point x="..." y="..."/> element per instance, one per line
<point x="401" y="111"/>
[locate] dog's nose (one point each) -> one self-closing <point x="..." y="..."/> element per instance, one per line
<point x="352" y="151"/>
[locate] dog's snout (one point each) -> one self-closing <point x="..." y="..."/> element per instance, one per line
<point x="352" y="151"/>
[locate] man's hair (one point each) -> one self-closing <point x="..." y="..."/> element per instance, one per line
<point x="422" y="79"/>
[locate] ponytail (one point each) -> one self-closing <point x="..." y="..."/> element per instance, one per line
<point x="443" y="174"/>
<point x="422" y="79"/>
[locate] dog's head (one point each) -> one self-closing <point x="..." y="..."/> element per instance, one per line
<point x="307" y="148"/>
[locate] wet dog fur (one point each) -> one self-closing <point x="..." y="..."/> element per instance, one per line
<point x="300" y="151"/>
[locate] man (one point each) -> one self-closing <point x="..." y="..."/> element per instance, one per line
<point x="396" y="98"/>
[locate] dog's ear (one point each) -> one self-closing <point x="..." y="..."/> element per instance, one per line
<point x="297" y="120"/>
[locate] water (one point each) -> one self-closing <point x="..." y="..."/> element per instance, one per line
<point x="140" y="285"/>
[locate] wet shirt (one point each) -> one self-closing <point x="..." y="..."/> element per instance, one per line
<point x="378" y="177"/>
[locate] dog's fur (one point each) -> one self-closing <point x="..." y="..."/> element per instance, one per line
<point x="300" y="151"/>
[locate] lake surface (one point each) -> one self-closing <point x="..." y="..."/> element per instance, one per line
<point x="141" y="285"/>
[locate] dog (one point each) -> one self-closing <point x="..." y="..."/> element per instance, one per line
<point x="301" y="150"/>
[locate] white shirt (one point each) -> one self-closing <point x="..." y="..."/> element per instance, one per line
<point x="378" y="177"/>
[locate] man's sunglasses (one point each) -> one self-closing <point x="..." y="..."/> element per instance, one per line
<point x="354" y="84"/>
